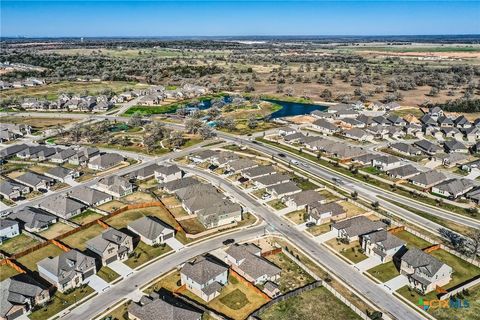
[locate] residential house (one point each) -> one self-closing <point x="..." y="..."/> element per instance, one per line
<point x="33" y="219"/>
<point x="61" y="173"/>
<point x="453" y="188"/>
<point x="474" y="195"/>
<point x="246" y="259"/>
<point x="342" y="114"/>
<point x="202" y="156"/>
<point x="300" y="200"/>
<point x="381" y="244"/>
<point x="35" y="181"/>
<point x="105" y="161"/>
<point x="144" y="173"/>
<point x="405" y="149"/>
<point x="270" y="180"/>
<point x="462" y="122"/>
<point x="241" y="164"/>
<point x="204" y="277"/>
<point x="435" y="112"/>
<point x="351" y="229"/>
<point x="472" y="134"/>
<point x="62" y="156"/>
<point x="319" y="212"/>
<point x="12" y="150"/>
<point x="68" y="270"/>
<point x="366" y="158"/>
<point x="322" y="114"/>
<point x="83" y="155"/>
<point x="12" y="190"/>
<point x="155" y="308"/>
<point x="297" y="137"/>
<point x="452" y="133"/>
<point x="403" y="172"/>
<point x="352" y="123"/>
<point x="454" y="146"/>
<point x="325" y="126"/>
<point x="428" y="120"/>
<point x="90" y="197"/>
<point x="222" y="158"/>
<point x="450" y="160"/>
<point x="428" y="179"/>
<point x="358" y="134"/>
<point x="151" y="230"/>
<point x="427" y="147"/>
<point x="168" y="173"/>
<point x="396" y="120"/>
<point x="111" y="245"/>
<point x="284" y="189"/>
<point x="175" y="185"/>
<point x="220" y="213"/>
<point x="8" y="229"/>
<point x="424" y="272"/>
<point x="115" y="186"/>
<point x="257" y="172"/>
<point x="387" y="162"/>
<point x="445" y="122"/>
<point x="19" y="295"/>
<point x="381" y="121"/>
<point x="62" y="206"/>
<point x="284" y="131"/>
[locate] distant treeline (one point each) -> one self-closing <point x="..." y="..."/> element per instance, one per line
<point x="460" y="105"/>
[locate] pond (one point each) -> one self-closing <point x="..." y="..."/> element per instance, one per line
<point x="290" y="109"/>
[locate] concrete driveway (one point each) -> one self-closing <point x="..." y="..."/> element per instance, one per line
<point x="368" y="263"/>
<point x="121" y="268"/>
<point x="174" y="244"/>
<point x="326" y="236"/>
<point x="97" y="283"/>
<point x="396" y="283"/>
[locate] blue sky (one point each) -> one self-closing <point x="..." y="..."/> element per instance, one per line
<point x="214" y="18"/>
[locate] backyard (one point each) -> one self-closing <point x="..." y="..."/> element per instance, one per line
<point x="462" y="270"/>
<point x="319" y="302"/>
<point x="123" y="219"/>
<point x="412" y="240"/>
<point x="6" y="272"/>
<point x="293" y="276"/>
<point x="18" y="244"/>
<point x="78" y="239"/>
<point x="55" y="230"/>
<point x="30" y="260"/>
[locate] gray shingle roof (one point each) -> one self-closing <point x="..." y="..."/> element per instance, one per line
<point x="111" y="235"/>
<point x="180" y="183"/>
<point x="358" y="226"/>
<point x="258" y="171"/>
<point x="403" y="171"/>
<point x="158" y="309"/>
<point x="33" y="218"/>
<point x="15" y="290"/>
<point x="33" y="179"/>
<point x="429" y="178"/>
<point x="283" y="188"/>
<point x="316" y="209"/>
<point x="59" y="172"/>
<point x="61" y="205"/>
<point x="67" y="264"/>
<point x="203" y="269"/>
<point x="272" y="179"/>
<point x="422" y="261"/>
<point x="149" y="227"/>
<point x="306" y="197"/>
<point x="253" y="265"/>
<point x="385" y="239"/>
<point x="88" y="195"/>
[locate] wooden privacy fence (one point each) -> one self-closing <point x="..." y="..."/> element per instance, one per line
<point x="237" y="276"/>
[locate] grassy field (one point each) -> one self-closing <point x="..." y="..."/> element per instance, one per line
<point x="384" y="271"/>
<point x="107" y="274"/>
<point x="318" y="302"/>
<point x="52" y="91"/>
<point x="60" y="302"/>
<point x="56" y="230"/>
<point x="412" y="240"/>
<point x="7" y="272"/>
<point x="78" y="240"/>
<point x="351" y="251"/>
<point x="18" y="244"/>
<point x="292" y="276"/>
<point x="86" y="217"/>
<point x="31" y="259"/>
<point x="37" y="123"/>
<point x="144" y="253"/>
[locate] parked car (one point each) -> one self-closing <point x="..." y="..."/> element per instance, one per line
<point x="228" y="241"/>
<point x="282" y="155"/>
<point x="310" y="224"/>
<point x="266" y="196"/>
<point x="294" y="161"/>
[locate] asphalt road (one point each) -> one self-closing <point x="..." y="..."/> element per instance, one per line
<point x="129" y="285"/>
<point x="366" y="287"/>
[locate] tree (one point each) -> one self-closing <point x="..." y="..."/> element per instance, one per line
<point x="354" y="195"/>
<point x="135" y="119"/>
<point x="206" y="132"/>
<point x="375" y="205"/>
<point x="252" y="122"/>
<point x="475" y="236"/>
<point x="150" y="142"/>
<point x="176" y="139"/>
<point x="193" y="125"/>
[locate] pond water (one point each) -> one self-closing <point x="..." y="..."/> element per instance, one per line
<point x="290" y="109"/>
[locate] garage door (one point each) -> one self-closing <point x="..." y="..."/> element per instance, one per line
<point x="111" y="259"/>
<point x="88" y="273"/>
<point x="168" y="236"/>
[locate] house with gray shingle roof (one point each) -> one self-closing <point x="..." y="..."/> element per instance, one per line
<point x="12" y="150"/>
<point x="61" y="173"/>
<point x="111" y="245"/>
<point x="19" y="295"/>
<point x="424" y="272"/>
<point x="12" y="190"/>
<point x="300" y="200"/>
<point x="324" y="126"/>
<point x="62" y="156"/>
<point x="283" y="189"/>
<point x="427" y="147"/>
<point x="83" y="155"/>
<point x="453" y="188"/>
<point x="257" y="172"/>
<point x="270" y="180"/>
<point x="204" y="277"/>
<point x="151" y="230"/>
<point x="175" y="185"/>
<point x="241" y="164"/>
<point x="405" y="148"/>
<point x="62" y="206"/>
<point x="169" y="173"/>
<point x="90" y="197"/>
<point x="462" y="122"/>
<point x="35" y="181"/>
<point x="33" y="219"/>
<point x="351" y="229"/>
<point x="8" y="229"/>
<point x="403" y="172"/>
<point x="428" y="179"/>
<point x="319" y="212"/>
<point x="454" y="146"/>
<point x="283" y="131"/>
<point x="202" y="156"/>
<point x="68" y="270"/>
<point x="105" y="161"/>
<point x="143" y="173"/>
<point x="386" y="162"/>
<point x="115" y="186"/>
<point x="155" y="308"/>
<point x="357" y="134"/>
<point x="246" y="260"/>
<point x="381" y="244"/>
<point x="220" y="213"/>
<point x="294" y="137"/>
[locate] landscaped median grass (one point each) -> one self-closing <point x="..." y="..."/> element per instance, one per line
<point x="60" y="302"/>
<point x="318" y="303"/>
<point x="144" y="253"/>
<point x="107" y="274"/>
<point x="384" y="272"/>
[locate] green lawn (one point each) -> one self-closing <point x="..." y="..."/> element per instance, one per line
<point x="107" y="274"/>
<point x="472" y="312"/>
<point x="462" y="270"/>
<point x="384" y="272"/>
<point x="235" y="300"/>
<point x="318" y="303"/>
<point x="79" y="239"/>
<point x="293" y="276"/>
<point x="60" y="302"/>
<point x="297" y="217"/>
<point x="86" y="216"/>
<point x="18" y="244"/>
<point x="319" y="229"/>
<point x="7" y="272"/>
<point x="277" y="204"/>
<point x="144" y="253"/>
<point x="412" y="240"/>
<point x="31" y="259"/>
<point x="351" y="250"/>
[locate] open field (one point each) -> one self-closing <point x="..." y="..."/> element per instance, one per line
<point x="78" y="240"/>
<point x="319" y="302"/>
<point x="37" y="123"/>
<point x="31" y="259"/>
<point x="52" y="91"/>
<point x="17" y="244"/>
